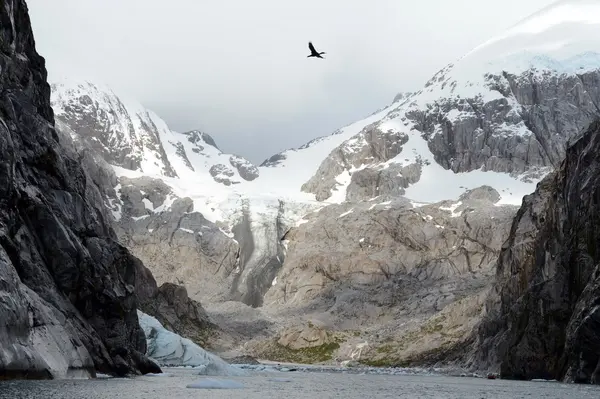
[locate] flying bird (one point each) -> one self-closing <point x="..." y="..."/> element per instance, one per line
<point x="313" y="52"/>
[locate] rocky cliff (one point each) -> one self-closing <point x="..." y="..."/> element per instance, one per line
<point x="67" y="287"/>
<point x="543" y="319"/>
<point x="364" y="280"/>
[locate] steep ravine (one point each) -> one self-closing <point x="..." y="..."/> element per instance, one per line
<point x="262" y="254"/>
<point x="543" y="318"/>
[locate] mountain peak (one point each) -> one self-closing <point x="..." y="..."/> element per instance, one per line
<point x="134" y="138"/>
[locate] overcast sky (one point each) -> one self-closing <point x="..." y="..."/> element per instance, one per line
<point x="237" y="69"/>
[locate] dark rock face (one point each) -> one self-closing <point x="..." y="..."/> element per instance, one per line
<point x="552" y="107"/>
<point x="67" y="299"/>
<point x="274" y="160"/>
<point x="197" y="137"/>
<point x="544" y="317"/>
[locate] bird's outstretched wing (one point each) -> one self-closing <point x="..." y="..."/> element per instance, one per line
<point x="311" y="47"/>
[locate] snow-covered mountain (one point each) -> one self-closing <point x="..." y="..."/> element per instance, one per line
<point x="509" y="107"/>
<point x="132" y="137"/>
<point x="500" y="116"/>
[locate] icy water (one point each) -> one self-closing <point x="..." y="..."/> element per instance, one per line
<point x="292" y="385"/>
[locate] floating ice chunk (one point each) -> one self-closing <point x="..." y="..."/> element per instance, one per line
<point x="159" y="375"/>
<point x="210" y="383"/>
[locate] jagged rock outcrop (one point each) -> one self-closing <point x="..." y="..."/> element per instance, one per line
<point x="483" y="132"/>
<point x="67" y="295"/>
<point x="543" y="319"/>
<point x="245" y="168"/>
<point x="221" y="173"/>
<point x="383" y="180"/>
<point x="199" y="138"/>
<point x="371" y="145"/>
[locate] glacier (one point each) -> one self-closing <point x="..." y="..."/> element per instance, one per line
<point x="169" y="349"/>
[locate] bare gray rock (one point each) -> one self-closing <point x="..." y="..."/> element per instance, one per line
<point x="222" y="174"/>
<point x="371" y="146"/>
<point x="380" y="240"/>
<point x="199" y="138"/>
<point x="377" y="265"/>
<point x="382" y="180"/>
<point x="176" y="243"/>
<point x="245" y="168"/>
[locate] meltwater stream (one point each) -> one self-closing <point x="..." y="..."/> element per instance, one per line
<point x="261" y="384"/>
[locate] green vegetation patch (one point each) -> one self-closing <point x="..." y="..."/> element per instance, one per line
<point x="316" y="354"/>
